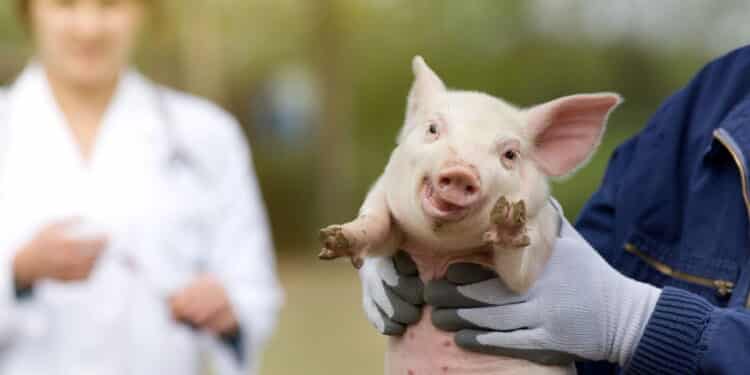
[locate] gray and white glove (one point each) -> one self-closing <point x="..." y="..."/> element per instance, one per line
<point x="391" y="292"/>
<point x="580" y="308"/>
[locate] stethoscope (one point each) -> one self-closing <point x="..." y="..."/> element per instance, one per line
<point x="178" y="163"/>
<point x="178" y="159"/>
<point x="178" y="156"/>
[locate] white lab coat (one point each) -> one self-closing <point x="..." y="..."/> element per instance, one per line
<point x="167" y="221"/>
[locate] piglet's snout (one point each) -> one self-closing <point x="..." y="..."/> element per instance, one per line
<point x="458" y="185"/>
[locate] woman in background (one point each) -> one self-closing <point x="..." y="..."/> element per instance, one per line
<point x="133" y="231"/>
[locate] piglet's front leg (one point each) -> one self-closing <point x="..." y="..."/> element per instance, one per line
<point x="371" y="233"/>
<point x="521" y="245"/>
<point x="353" y="239"/>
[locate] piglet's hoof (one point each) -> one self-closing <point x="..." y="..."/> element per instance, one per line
<point x="507" y="225"/>
<point x="336" y="245"/>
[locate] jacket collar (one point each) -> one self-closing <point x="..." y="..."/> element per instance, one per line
<point x="734" y="135"/>
<point x="31" y="102"/>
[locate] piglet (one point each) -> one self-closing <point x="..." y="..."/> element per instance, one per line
<point x="468" y="182"/>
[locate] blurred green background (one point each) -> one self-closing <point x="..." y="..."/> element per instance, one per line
<point x="320" y="87"/>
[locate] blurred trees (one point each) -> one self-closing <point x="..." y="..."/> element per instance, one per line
<point x="360" y="51"/>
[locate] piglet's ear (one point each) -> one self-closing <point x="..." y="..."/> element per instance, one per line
<point x="567" y="131"/>
<point x="427" y="85"/>
<point x="426" y="88"/>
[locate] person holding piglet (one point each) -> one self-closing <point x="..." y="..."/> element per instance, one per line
<point x="657" y="282"/>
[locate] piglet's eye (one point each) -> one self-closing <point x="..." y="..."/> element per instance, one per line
<point x="509" y="152"/>
<point x="433" y="132"/>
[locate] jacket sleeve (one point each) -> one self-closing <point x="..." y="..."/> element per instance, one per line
<point x="688" y="335"/>
<point x="242" y="255"/>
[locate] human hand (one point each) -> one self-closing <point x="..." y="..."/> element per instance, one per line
<point x="580" y="308"/>
<point x="204" y="304"/>
<point x="56" y="253"/>
<point x="391" y="293"/>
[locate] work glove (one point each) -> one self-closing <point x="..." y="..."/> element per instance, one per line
<point x="579" y="308"/>
<point x="391" y="292"/>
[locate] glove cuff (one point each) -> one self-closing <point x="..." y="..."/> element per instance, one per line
<point x="669" y="342"/>
<point x="637" y="302"/>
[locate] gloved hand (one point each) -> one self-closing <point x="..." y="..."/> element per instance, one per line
<point x="391" y="292"/>
<point x="580" y="308"/>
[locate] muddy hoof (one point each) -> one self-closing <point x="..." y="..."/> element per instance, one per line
<point x="507" y="225"/>
<point x="335" y="243"/>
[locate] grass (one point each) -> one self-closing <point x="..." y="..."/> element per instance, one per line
<point x="323" y="329"/>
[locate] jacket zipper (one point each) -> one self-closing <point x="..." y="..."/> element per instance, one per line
<point x="723" y="287"/>
<point x="719" y="135"/>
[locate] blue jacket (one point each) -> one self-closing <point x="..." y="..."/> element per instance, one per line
<point x="672" y="211"/>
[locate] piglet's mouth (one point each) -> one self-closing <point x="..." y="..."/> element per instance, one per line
<point x="440" y="207"/>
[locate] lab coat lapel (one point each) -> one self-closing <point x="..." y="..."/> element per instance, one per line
<point x="34" y="116"/>
<point x="41" y="171"/>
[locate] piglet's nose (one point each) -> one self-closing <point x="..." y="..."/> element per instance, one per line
<point x="459" y="185"/>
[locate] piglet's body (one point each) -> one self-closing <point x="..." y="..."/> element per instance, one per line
<point x="423" y="349"/>
<point x="468" y="183"/>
